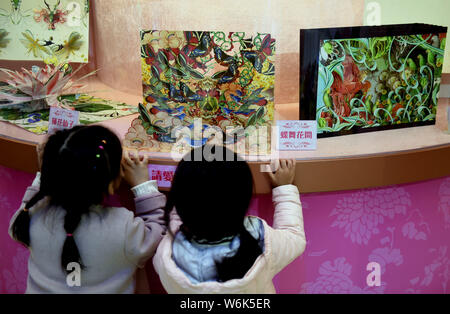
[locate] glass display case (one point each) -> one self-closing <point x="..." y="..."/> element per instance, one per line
<point x="115" y="54"/>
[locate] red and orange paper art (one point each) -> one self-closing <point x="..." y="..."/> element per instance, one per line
<point x="224" y="79"/>
<point x="371" y="78"/>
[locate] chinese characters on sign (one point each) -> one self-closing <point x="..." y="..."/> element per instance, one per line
<point x="61" y="119"/>
<point x="163" y="174"/>
<point x="297" y="134"/>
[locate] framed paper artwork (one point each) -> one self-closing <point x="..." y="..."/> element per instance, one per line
<point x="221" y="80"/>
<point x="359" y="79"/>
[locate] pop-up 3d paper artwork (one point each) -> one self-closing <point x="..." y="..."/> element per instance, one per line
<point x="43" y="29"/>
<point x="359" y="79"/>
<point x="26" y="97"/>
<point x="224" y="79"/>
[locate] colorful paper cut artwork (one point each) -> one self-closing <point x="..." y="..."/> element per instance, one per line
<point x="91" y="110"/>
<point x="26" y="97"/>
<point x="44" y="29"/>
<point x="373" y="78"/>
<point x="224" y="79"/>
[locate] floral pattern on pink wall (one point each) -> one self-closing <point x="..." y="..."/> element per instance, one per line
<point x="363" y="213"/>
<point x="444" y="202"/>
<point x="13" y="257"/>
<point x="403" y="228"/>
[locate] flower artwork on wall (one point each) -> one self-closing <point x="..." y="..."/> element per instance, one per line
<point x="224" y="79"/>
<point x="42" y="29"/>
<point x="370" y="78"/>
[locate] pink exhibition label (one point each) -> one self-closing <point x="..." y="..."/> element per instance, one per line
<point x="60" y="118"/>
<point x="163" y="174"/>
<point x="297" y="134"/>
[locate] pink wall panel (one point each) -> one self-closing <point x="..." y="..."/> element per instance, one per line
<point x="13" y="257"/>
<point x="404" y="228"/>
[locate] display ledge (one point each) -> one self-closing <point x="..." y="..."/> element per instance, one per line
<point x="340" y="163"/>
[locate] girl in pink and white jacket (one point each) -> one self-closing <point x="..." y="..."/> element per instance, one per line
<point x="211" y="246"/>
<point x="64" y="225"/>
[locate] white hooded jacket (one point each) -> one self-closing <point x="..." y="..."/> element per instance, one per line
<point x="282" y="244"/>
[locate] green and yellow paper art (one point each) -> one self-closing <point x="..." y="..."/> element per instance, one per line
<point x="43" y="29"/>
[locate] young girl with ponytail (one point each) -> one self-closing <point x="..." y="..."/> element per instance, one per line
<point x="211" y="246"/>
<point x="62" y="220"/>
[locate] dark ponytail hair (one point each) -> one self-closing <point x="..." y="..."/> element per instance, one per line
<point x="211" y="191"/>
<point x="21" y="226"/>
<point x="77" y="167"/>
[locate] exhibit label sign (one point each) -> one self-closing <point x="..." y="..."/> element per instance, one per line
<point x="60" y="119"/>
<point x="163" y="174"/>
<point x="297" y="134"/>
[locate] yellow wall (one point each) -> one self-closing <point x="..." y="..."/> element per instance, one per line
<point x="435" y="12"/>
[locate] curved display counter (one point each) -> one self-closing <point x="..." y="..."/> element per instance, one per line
<point x="339" y="163"/>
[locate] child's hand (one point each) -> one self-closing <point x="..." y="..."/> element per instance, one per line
<point x="135" y="169"/>
<point x="284" y="174"/>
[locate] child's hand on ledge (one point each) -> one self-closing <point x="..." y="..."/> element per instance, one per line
<point x="135" y="169"/>
<point x="284" y="174"/>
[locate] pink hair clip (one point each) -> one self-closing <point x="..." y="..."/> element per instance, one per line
<point x="101" y="147"/>
<point x="69" y="234"/>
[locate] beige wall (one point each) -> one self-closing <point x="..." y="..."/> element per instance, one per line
<point x="117" y="24"/>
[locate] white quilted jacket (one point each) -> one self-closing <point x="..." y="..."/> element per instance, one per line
<point x="283" y="243"/>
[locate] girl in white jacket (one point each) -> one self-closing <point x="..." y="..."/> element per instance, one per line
<point x="64" y="225"/>
<point x="211" y="246"/>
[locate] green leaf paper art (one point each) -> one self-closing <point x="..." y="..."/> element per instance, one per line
<point x="44" y="29"/>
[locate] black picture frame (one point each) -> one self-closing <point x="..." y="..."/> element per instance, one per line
<point x="309" y="65"/>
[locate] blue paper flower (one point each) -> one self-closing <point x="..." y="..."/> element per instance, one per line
<point x="34" y="117"/>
